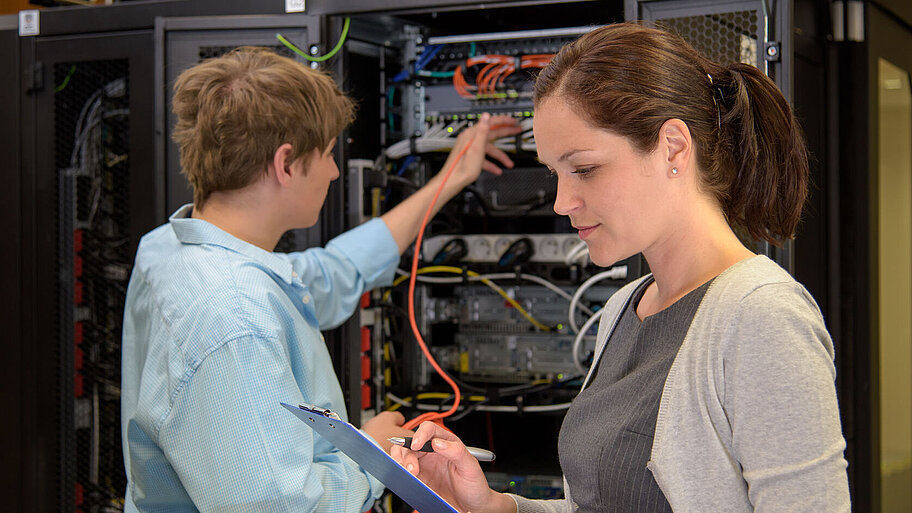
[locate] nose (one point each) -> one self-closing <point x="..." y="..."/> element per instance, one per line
<point x="567" y="199"/>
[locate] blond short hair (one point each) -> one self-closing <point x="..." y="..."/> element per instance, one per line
<point x="234" y="111"/>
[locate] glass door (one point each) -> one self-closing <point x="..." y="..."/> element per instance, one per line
<point x="895" y="261"/>
<point x="890" y="67"/>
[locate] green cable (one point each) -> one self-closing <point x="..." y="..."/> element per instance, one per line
<point x="436" y="74"/>
<point x="66" y="79"/>
<point x="321" y="58"/>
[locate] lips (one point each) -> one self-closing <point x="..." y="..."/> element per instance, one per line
<point x="585" y="231"/>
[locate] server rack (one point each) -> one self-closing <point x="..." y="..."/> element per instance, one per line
<point x="87" y="194"/>
<point x="385" y="39"/>
<point x="83" y="201"/>
<point x="11" y="435"/>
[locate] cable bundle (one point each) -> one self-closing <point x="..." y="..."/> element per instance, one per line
<point x="88" y="156"/>
<point x="496" y="69"/>
<point x="442" y="137"/>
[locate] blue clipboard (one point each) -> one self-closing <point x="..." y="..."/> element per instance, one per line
<point x="372" y="458"/>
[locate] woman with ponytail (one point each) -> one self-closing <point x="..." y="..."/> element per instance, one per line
<point x="712" y="386"/>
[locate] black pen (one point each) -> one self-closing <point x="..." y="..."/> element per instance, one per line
<point x="406" y="441"/>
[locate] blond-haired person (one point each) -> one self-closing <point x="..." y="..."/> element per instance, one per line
<point x="218" y="328"/>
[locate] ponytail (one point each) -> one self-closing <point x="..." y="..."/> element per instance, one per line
<point x="768" y="153"/>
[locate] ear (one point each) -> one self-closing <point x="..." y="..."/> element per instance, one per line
<point x="281" y="164"/>
<point x="676" y="146"/>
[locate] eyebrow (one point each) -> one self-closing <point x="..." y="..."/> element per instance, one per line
<point x="565" y="156"/>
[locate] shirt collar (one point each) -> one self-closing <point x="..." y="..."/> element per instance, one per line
<point x="197" y="231"/>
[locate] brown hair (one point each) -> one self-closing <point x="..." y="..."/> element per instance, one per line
<point x="630" y="79"/>
<point x="234" y="111"/>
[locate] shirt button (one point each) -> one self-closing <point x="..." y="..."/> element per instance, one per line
<point x="305" y="299"/>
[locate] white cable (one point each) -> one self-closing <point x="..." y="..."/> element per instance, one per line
<point x="85" y="108"/>
<point x="578" y="341"/>
<point x="528" y="409"/>
<point x="481" y="407"/>
<point x="81" y="147"/>
<point x="81" y="134"/>
<point x="575" y="253"/>
<point x="422" y="145"/>
<point x="615" y="273"/>
<point x="431" y="144"/>
<point x="432" y="130"/>
<point x="440" y="136"/>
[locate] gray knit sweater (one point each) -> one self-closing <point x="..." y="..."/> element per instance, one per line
<point x="748" y="419"/>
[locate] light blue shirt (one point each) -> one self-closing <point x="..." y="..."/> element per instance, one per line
<point x="216" y="333"/>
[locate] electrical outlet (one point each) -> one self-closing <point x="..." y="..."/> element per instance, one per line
<point x="549" y="248"/>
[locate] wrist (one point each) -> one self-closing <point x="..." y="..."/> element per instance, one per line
<point x="501" y="503"/>
<point x="450" y="189"/>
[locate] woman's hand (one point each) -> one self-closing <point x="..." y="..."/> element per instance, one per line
<point x="451" y="471"/>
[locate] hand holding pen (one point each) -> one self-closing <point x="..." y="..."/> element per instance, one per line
<point x="406" y="441"/>
<point x="450" y="470"/>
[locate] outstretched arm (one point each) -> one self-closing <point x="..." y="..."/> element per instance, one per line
<point x="405" y="219"/>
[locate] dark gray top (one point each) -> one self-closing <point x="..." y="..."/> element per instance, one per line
<point x="606" y="438"/>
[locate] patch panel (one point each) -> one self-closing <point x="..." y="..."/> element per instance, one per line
<point x="477" y="308"/>
<point x="511" y="358"/>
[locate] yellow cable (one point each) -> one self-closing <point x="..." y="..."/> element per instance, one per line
<point x="375" y="202"/>
<point x="489" y="283"/>
<point x="434" y="395"/>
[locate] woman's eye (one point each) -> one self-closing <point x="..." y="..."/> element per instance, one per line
<point x="583" y="171"/>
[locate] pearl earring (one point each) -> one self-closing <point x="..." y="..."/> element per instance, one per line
<point x="674" y="170"/>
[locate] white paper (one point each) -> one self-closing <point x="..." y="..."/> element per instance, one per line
<point x="294" y="5"/>
<point x="28" y="22"/>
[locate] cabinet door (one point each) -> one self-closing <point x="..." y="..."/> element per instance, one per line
<point x="87" y="198"/>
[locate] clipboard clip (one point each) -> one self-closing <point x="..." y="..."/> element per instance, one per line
<point x="326" y="412"/>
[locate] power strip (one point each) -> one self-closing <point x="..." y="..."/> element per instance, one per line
<point x="548" y="248"/>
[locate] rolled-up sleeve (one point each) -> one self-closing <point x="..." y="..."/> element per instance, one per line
<point x="356" y="261"/>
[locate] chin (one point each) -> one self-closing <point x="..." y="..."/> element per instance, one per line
<point x="603" y="261"/>
<point x="309" y="223"/>
<point x="603" y="258"/>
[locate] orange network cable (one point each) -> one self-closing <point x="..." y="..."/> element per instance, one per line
<point x="496" y="69"/>
<point x="460" y="84"/>
<point x="481" y="78"/>
<point x="432" y="416"/>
